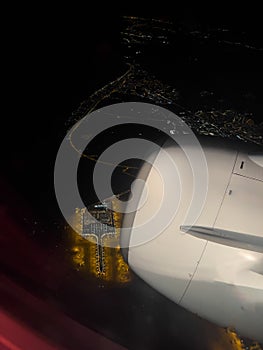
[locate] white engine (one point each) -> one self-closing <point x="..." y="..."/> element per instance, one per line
<point x="214" y="266"/>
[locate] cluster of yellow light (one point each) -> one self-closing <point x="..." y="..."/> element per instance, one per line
<point x="234" y="339"/>
<point x="92" y="255"/>
<point x="122" y="268"/>
<point x="238" y="344"/>
<point x="78" y="256"/>
<point x="117" y="219"/>
<point x="115" y="267"/>
<point x="109" y="258"/>
<point x="86" y="253"/>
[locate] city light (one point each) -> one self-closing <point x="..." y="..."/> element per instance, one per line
<point x="97" y="249"/>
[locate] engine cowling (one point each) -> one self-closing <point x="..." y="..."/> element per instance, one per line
<point x="213" y="266"/>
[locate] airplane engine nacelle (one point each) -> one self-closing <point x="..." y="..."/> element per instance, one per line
<point x="213" y="266"/>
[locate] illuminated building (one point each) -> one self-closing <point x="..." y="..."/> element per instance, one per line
<point x="97" y="249"/>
